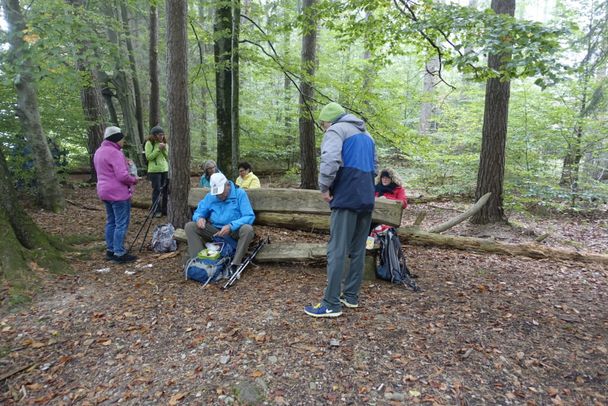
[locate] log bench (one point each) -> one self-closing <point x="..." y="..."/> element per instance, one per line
<point x="298" y="209"/>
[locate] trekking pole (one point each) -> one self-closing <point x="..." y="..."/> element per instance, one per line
<point x="153" y="211"/>
<point x="148" y="219"/>
<point x="237" y="274"/>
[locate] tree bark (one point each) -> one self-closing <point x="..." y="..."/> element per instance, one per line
<point x="224" y="82"/>
<point x="308" y="156"/>
<point x="204" y="105"/>
<point x="235" y="91"/>
<point x="425" y="125"/>
<point x="490" y="177"/>
<point x="178" y="111"/>
<point x="139" y="115"/>
<point x="49" y="193"/>
<point x="121" y="89"/>
<point x="90" y="96"/>
<point x="531" y="250"/>
<point x="22" y="243"/>
<point x="92" y="104"/>
<point x="153" y="66"/>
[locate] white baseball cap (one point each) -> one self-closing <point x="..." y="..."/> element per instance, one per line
<point x="217" y="183"/>
<point x="111" y="131"/>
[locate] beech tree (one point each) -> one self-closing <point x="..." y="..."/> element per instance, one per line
<point x="24" y="246"/>
<point x="50" y="195"/>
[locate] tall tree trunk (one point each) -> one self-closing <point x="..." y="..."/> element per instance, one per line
<point x="153" y="66"/>
<point x="490" y="177"/>
<point x="124" y="93"/>
<point x="108" y="94"/>
<point x="428" y="90"/>
<point x="572" y="159"/>
<point x="308" y="156"/>
<point x="50" y="195"/>
<point x="235" y="90"/>
<point x="92" y="104"/>
<point x="139" y="116"/>
<point x="178" y="111"/>
<point x="90" y="96"/>
<point x="224" y="56"/>
<point x="203" y="143"/>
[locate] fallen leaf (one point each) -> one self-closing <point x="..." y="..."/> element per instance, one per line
<point x="257" y="373"/>
<point x="176" y="398"/>
<point x="414" y="393"/>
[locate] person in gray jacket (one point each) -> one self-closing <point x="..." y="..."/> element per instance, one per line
<point x="346" y="180"/>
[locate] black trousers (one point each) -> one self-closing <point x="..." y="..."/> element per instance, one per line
<point x="158" y="180"/>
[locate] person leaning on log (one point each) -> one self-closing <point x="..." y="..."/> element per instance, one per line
<point x="346" y="180"/>
<point x="224" y="211"/>
<point x="390" y="187"/>
<point x="247" y="179"/>
<point x="157" y="155"/>
<point x="209" y="168"/>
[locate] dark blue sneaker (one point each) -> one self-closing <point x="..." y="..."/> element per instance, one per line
<point x="124" y="258"/>
<point x="348" y="304"/>
<point x="321" y="311"/>
<point x="109" y="255"/>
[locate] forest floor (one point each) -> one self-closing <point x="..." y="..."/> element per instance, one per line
<point x="485" y="329"/>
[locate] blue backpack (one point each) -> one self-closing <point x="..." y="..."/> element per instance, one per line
<point x="205" y="268"/>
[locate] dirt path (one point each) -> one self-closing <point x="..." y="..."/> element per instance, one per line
<point x="485" y="330"/>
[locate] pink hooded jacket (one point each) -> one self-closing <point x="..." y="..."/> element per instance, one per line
<point x="114" y="183"/>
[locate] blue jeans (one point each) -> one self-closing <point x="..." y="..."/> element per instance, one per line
<point x="119" y="214"/>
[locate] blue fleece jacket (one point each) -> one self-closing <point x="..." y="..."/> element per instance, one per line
<point x="236" y="210"/>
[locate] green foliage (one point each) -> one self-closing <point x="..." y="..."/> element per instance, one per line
<point x="462" y="35"/>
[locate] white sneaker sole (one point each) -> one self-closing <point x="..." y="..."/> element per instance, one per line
<point x="349" y="305"/>
<point x="332" y="314"/>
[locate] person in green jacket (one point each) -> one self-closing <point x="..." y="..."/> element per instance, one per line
<point x="157" y="154"/>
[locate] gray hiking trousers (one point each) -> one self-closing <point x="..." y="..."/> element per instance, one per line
<point x="196" y="237"/>
<point x="348" y="233"/>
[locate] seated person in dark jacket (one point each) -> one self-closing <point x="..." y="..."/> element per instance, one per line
<point x="389" y="186"/>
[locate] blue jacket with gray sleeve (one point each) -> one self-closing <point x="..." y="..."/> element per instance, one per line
<point x="348" y="165"/>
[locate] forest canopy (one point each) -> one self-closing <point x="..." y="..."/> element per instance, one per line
<point x="413" y="70"/>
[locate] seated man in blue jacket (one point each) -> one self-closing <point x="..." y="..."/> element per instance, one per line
<point x="224" y="211"/>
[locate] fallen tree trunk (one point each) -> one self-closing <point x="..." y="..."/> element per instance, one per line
<point x="292" y="209"/>
<point x="531" y="250"/>
<point x="317" y="251"/>
<point x="461" y="217"/>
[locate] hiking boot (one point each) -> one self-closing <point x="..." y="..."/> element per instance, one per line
<point x="123" y="259"/>
<point x="348" y="304"/>
<point x="321" y="311"/>
<point x="109" y="255"/>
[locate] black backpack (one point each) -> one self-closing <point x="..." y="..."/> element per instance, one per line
<point x="392" y="266"/>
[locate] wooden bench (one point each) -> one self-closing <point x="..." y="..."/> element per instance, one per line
<point x="298" y="209"/>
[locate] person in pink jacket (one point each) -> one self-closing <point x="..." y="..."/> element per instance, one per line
<point x="115" y="188"/>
